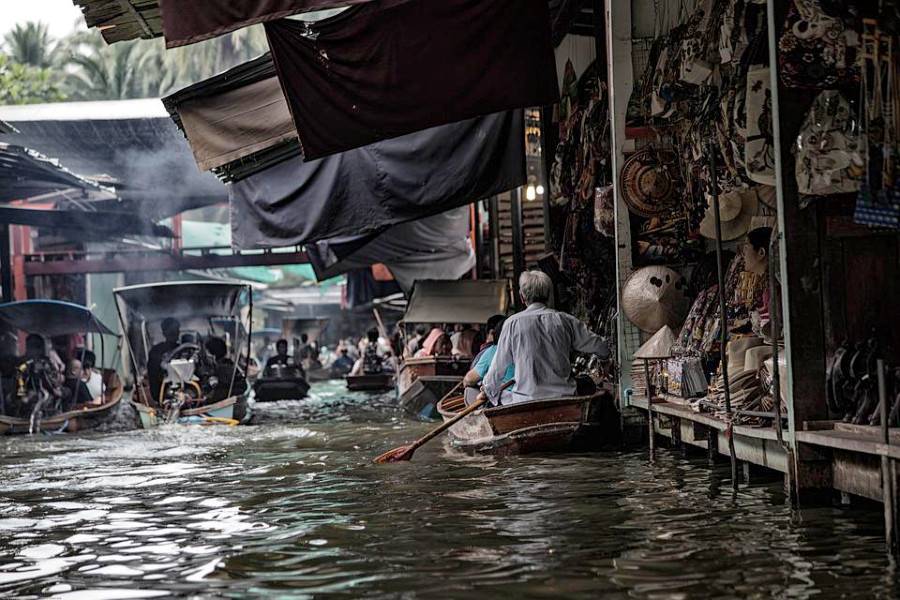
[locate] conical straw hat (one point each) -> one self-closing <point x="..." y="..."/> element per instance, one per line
<point x="654" y="297"/>
<point x="658" y="346"/>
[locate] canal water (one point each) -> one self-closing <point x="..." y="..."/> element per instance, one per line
<point x="294" y="508"/>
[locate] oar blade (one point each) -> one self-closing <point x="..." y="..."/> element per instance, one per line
<point x="403" y="453"/>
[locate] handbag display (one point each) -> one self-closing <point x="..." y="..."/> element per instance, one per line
<point x="829" y="154"/>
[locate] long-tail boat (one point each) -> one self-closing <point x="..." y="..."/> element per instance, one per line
<point x="27" y="406"/>
<point x="424" y="380"/>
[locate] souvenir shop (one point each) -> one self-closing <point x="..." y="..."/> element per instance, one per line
<point x="752" y="196"/>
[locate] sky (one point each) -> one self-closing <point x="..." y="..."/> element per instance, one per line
<point x="60" y="15"/>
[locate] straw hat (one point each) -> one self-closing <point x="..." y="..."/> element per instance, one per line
<point x="658" y="346"/>
<point x="654" y="297"/>
<point x="737" y="352"/>
<point x="736" y="209"/>
<point x="648" y="187"/>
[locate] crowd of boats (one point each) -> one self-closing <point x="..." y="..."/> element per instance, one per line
<point x="189" y="355"/>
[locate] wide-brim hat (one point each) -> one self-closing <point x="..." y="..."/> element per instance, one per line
<point x="654" y="297"/>
<point x="648" y="187"/>
<point x="736" y="209"/>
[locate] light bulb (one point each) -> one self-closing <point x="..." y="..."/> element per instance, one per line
<point x="530" y="193"/>
<point x="540" y="190"/>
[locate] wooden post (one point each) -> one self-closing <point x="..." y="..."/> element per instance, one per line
<point x="6" y="268"/>
<point x="887" y="466"/>
<point x="652" y="440"/>
<point x="723" y="313"/>
<point x="518" y="239"/>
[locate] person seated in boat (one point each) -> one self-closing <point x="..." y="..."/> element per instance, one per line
<point x="437" y="343"/>
<point x="8" y="364"/>
<point x="464" y="343"/>
<point x="372" y="360"/>
<point x="281" y="361"/>
<point x="415" y="342"/>
<point x="343" y="364"/>
<point x="75" y="391"/>
<point x="539" y="342"/>
<point x="156" y="374"/>
<point x="483" y="361"/>
<point x="226" y="379"/>
<point x="91" y="376"/>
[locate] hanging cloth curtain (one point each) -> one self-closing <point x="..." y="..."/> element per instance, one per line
<point x="364" y="191"/>
<point x="433" y="248"/>
<point x="189" y="21"/>
<point x="392" y="67"/>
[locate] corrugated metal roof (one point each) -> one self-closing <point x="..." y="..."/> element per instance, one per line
<point x="131" y="144"/>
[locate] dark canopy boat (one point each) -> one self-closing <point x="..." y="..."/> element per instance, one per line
<point x="52" y="318"/>
<point x="375" y="382"/>
<point x="280" y="382"/>
<point x="540" y="426"/>
<point x="423" y="381"/>
<point x="202" y="377"/>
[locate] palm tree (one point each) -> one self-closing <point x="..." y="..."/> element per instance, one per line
<point x="31" y="44"/>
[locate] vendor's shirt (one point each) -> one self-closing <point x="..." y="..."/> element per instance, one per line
<point x="95" y="384"/>
<point x="539" y="341"/>
<point x="484" y="360"/>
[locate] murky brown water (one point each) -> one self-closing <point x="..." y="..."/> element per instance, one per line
<point x="293" y="508"/>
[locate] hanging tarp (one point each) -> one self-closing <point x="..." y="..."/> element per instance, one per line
<point x="388" y="68"/>
<point x="187" y="22"/>
<point x="233" y="115"/>
<point x="434" y="248"/>
<point x="367" y="190"/>
<point x="457" y="301"/>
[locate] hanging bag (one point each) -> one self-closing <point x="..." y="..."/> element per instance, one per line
<point x="816" y="51"/>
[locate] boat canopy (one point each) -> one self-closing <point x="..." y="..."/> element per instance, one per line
<point x="457" y="301"/>
<point x="181" y="299"/>
<point x="51" y="318"/>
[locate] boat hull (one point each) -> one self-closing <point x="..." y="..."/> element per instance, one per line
<point x="273" y="390"/>
<point x="381" y="382"/>
<point x="421" y="398"/>
<point x="73" y="421"/>
<point x="540" y="426"/>
<point x="226" y="411"/>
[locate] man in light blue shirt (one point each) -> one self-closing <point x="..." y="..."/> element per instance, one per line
<point x="539" y="342"/>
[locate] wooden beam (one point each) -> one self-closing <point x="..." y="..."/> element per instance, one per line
<point x="113" y="262"/>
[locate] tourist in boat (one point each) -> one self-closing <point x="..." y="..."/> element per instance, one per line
<point x="75" y="392"/>
<point x="281" y="358"/>
<point x="464" y="342"/>
<point x="415" y="342"/>
<point x="171" y="330"/>
<point x="91" y="376"/>
<point x="372" y="360"/>
<point x="539" y="342"/>
<point x="343" y="364"/>
<point x="483" y="361"/>
<point x="437" y="343"/>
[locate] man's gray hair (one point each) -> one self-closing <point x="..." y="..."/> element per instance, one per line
<point x="535" y="286"/>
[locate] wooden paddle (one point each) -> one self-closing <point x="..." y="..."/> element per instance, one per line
<point x="404" y="453"/>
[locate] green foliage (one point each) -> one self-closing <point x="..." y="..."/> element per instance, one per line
<point x="82" y="66"/>
<point x="23" y="84"/>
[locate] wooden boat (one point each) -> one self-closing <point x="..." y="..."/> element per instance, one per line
<point x="52" y="318"/>
<point x="539" y="426"/>
<point x="198" y="388"/>
<point x="290" y="385"/>
<point x="379" y="382"/>
<point x="230" y="411"/>
<point x="83" y="418"/>
<point x="422" y="382"/>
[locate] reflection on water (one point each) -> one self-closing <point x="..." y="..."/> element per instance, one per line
<point x="293" y="507"/>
